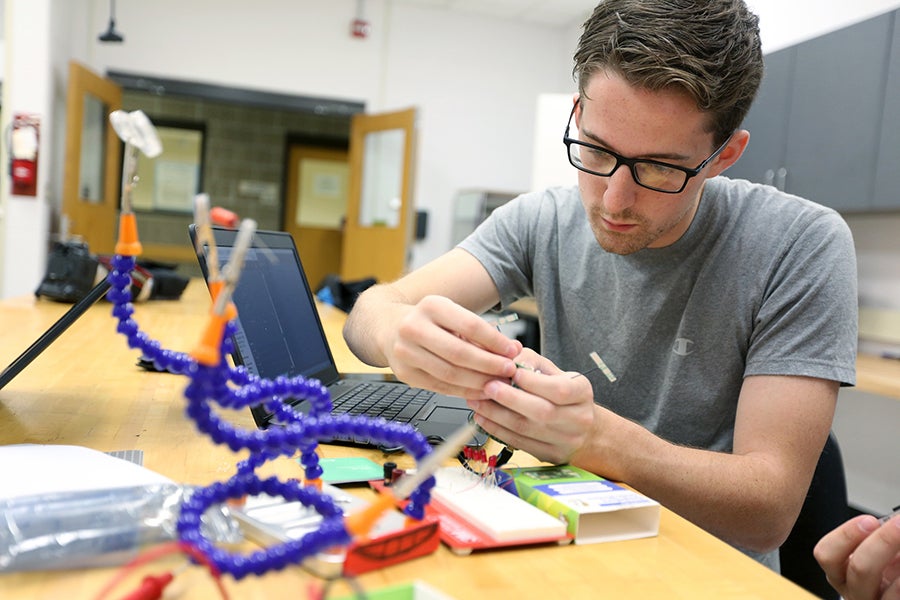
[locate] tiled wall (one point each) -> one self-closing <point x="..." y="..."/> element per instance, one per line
<point x="244" y="156"/>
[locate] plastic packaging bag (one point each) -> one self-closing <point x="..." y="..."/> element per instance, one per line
<point x="95" y="528"/>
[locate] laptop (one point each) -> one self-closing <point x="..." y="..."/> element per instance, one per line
<point x="279" y="333"/>
<point x="53" y="332"/>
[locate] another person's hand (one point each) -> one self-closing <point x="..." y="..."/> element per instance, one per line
<point x="441" y="346"/>
<point x="543" y="410"/>
<point x="861" y="558"/>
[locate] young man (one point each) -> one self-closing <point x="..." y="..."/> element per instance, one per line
<point x="726" y="310"/>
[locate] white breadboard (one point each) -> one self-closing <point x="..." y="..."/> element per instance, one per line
<point x="494" y="511"/>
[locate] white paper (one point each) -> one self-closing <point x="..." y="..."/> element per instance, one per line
<point x="29" y="469"/>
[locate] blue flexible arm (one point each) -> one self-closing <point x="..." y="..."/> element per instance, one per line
<point x="234" y="388"/>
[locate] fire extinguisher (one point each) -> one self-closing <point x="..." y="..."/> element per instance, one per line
<point x="24" y="143"/>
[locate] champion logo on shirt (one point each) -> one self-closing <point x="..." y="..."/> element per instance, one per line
<point x="683" y="346"/>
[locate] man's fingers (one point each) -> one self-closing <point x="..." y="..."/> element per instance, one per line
<point x="560" y="388"/>
<point x="466" y="324"/>
<point x="459" y="337"/>
<point x="512" y="437"/>
<point x="870" y="560"/>
<point x="833" y="551"/>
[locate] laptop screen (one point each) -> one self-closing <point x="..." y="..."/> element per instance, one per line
<point x="278" y="327"/>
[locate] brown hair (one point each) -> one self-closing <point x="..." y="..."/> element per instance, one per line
<point x="709" y="49"/>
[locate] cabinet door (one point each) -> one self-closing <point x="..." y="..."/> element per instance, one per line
<point x="887" y="175"/>
<point x="767" y="121"/>
<point x="835" y="115"/>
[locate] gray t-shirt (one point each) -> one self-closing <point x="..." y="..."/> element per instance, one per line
<point x="761" y="283"/>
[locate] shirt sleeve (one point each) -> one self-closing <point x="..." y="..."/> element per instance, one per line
<point x="807" y="320"/>
<point x="503" y="245"/>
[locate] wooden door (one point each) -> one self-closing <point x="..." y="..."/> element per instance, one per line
<point x="380" y="210"/>
<point x="315" y="207"/>
<point x="93" y="155"/>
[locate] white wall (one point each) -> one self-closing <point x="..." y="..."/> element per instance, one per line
<point x="472" y="79"/>
<point x="475" y="80"/>
<point x="24" y="219"/>
<point x="550" y="163"/>
<point x="2" y="41"/>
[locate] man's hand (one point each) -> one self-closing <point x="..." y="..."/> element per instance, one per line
<point x="543" y="410"/>
<point x="426" y="327"/>
<point x="441" y="346"/>
<point x="861" y="558"/>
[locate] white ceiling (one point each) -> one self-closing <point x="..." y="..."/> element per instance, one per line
<point x="781" y="23"/>
<point x="553" y="13"/>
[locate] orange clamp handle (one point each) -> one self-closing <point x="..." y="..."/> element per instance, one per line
<point x="360" y="523"/>
<point x="207" y="351"/>
<point x="128" y="244"/>
<point x="215" y="288"/>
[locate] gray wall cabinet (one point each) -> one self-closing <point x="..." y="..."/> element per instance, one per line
<point x="887" y="174"/>
<point x="820" y="125"/>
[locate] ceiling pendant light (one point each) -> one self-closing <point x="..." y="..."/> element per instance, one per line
<point x="111" y="35"/>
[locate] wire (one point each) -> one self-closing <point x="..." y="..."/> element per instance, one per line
<point x="152" y="586"/>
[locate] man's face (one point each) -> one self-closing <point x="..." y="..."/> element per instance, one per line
<point x="664" y="126"/>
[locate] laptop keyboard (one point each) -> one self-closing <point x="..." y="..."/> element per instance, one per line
<point x="392" y="402"/>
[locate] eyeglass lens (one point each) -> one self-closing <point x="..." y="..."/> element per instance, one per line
<point x="647" y="174"/>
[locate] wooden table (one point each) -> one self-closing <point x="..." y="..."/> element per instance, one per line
<point x="86" y="390"/>
<point x="878" y="375"/>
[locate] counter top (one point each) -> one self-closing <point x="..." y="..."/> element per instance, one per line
<point x="878" y="375"/>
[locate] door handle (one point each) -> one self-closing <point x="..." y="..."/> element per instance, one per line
<point x="781" y="179"/>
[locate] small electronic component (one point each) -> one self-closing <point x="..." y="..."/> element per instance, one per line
<point x="389" y="468"/>
<point x="891" y="515"/>
<point x="602" y="366"/>
<point x="510" y="318"/>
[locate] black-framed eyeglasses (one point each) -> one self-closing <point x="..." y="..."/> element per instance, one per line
<point x="651" y="174"/>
